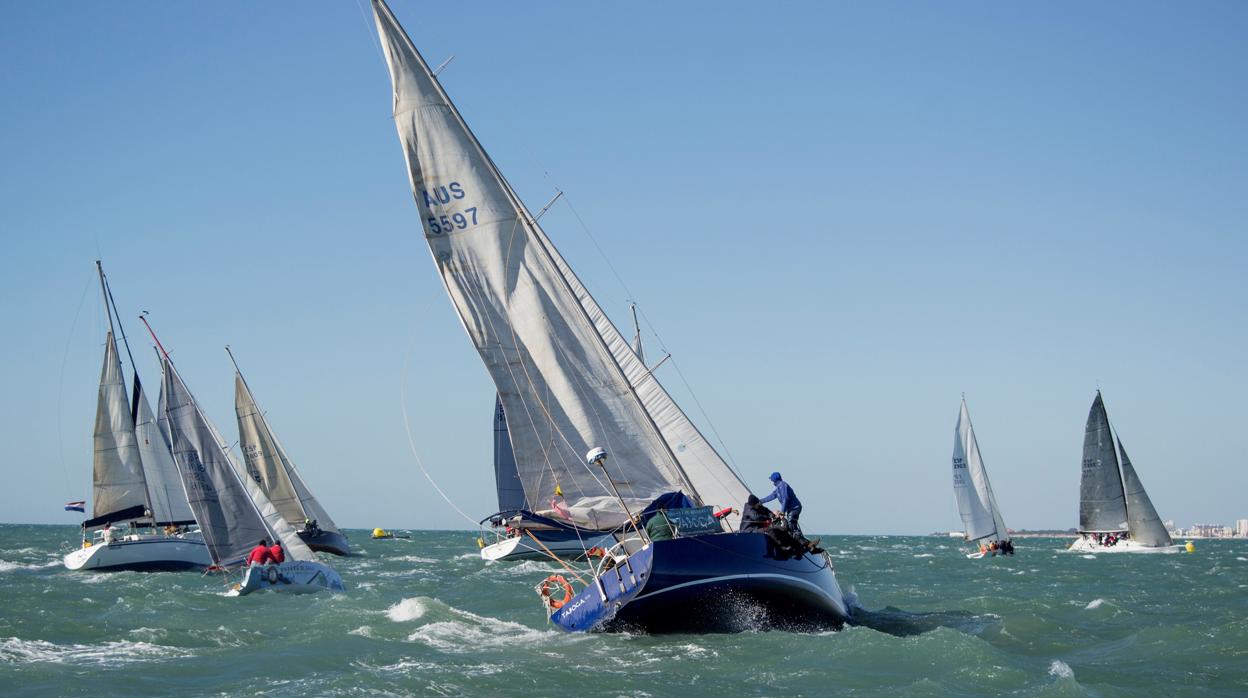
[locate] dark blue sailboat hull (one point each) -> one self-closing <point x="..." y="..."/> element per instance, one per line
<point x="326" y="541"/>
<point x="712" y="583"/>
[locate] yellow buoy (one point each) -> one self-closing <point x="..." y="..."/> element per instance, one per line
<point x="1190" y="548"/>
<point x="379" y="533"/>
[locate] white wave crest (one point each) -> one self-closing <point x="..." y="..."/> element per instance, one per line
<point x="362" y="631"/>
<point x="1086" y="557"/>
<point x="1094" y="603"/>
<point x="6" y="566"/>
<point x="407" y="609"/>
<point x="472" y="632"/>
<point x="1061" y="670"/>
<point x="15" y="650"/>
<point x="415" y="558"/>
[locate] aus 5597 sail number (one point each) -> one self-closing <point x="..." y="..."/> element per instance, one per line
<point x="439" y="196"/>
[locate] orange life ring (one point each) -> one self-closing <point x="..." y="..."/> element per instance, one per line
<point x="549" y="584"/>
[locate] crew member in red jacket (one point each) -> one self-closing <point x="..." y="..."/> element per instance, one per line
<point x="276" y="553"/>
<point x="260" y="554"/>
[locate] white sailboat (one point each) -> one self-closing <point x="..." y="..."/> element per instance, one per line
<point x="140" y="517"/>
<point x="268" y="464"/>
<point x="1115" y="513"/>
<point x="977" y="505"/>
<point x="572" y="387"/>
<point x="233" y="511"/>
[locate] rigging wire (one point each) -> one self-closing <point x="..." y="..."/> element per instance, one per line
<point x="649" y="325"/>
<point x="60" y="389"/>
<point x="411" y="439"/>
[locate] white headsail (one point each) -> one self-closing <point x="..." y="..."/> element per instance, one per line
<point x="164" y="487"/>
<point x="568" y="380"/>
<point x="981" y="518"/>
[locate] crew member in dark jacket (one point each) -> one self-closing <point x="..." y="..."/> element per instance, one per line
<point x="755" y="516"/>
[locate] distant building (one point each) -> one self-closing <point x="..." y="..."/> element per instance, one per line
<point x="1241" y="528"/>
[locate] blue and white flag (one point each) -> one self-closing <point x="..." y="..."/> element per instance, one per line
<point x="76" y="506"/>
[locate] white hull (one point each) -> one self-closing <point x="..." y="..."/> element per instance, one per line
<point x="143" y="553"/>
<point x="295" y="577"/>
<point x="1087" y="545"/>
<point x="524" y="548"/>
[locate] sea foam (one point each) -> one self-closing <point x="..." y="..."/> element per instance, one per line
<point x="407" y="609"/>
<point x="15" y="650"/>
<point x="1061" y="670"/>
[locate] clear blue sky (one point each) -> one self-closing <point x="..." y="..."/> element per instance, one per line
<point x="838" y="217"/>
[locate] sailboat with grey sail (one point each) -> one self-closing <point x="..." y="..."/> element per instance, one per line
<point x="268" y="463"/>
<point x="1116" y="515"/>
<point x="233" y="511"/>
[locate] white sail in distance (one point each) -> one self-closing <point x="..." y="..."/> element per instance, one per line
<point x="977" y="505"/>
<point x="117" y="470"/>
<point x="164" y="486"/>
<point x="267" y="463"/>
<point x="567" y="378"/>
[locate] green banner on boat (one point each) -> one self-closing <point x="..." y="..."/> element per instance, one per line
<point x="693" y="522"/>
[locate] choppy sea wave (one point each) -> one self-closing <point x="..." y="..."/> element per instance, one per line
<point x="427" y="616"/>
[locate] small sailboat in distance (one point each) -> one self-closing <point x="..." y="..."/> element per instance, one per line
<point x="233" y="512"/>
<point x="977" y="505"/>
<point x="1115" y="513"/>
<point x="267" y="463"/>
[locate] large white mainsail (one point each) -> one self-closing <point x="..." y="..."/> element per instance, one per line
<point x="566" y="377"/>
<point x="232" y="511"/>
<point x="977" y="505"/>
<point x="117" y="471"/>
<point x="268" y="464"/>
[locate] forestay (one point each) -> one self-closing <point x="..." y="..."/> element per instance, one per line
<point x="232" y="511"/>
<point x="1142" y="520"/>
<point x="565" y="376"/>
<point x="117" y="469"/>
<point x="981" y="518"/>
<point x="1102" y="506"/>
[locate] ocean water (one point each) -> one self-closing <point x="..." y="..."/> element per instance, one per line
<point x="427" y="617"/>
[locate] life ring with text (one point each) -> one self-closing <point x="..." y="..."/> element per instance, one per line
<point x="549" y="585"/>
<point x="272" y="575"/>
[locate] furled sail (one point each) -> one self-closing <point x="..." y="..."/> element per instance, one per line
<point x="977" y="505"/>
<point x="232" y="511"/>
<point x="1102" y="506"/>
<point x="118" y="467"/>
<point x="1142" y="520"/>
<point x="268" y="464"/>
<point x="164" y="487"/>
<point x="565" y="376"/>
<point x="506" y="481"/>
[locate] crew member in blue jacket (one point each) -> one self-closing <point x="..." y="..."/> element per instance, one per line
<point x="790" y="505"/>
